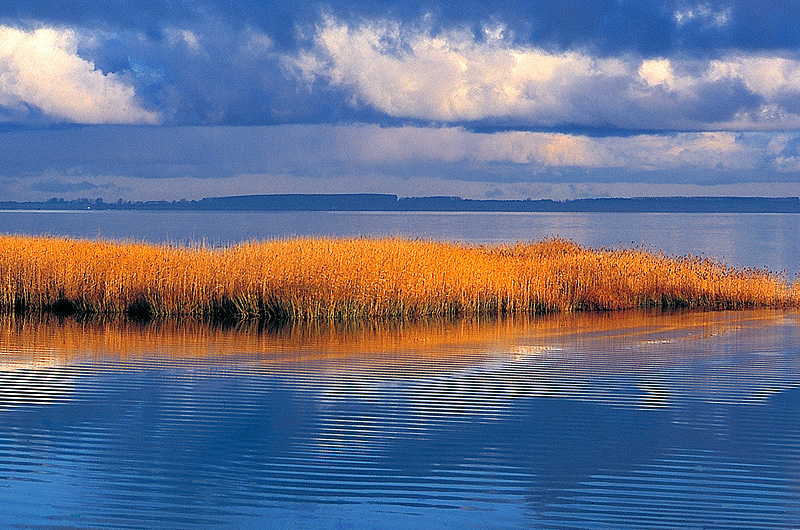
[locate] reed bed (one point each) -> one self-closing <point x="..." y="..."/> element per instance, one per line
<point x="352" y="279"/>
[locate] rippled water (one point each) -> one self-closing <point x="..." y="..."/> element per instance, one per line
<point x="624" y="420"/>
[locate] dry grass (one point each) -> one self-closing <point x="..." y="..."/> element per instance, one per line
<point x="350" y="279"/>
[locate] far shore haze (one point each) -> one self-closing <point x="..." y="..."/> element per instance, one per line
<point x="387" y="202"/>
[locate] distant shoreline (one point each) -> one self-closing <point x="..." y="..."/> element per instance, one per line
<point x="392" y="203"/>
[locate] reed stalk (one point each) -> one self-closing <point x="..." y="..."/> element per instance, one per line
<point x="352" y="279"/>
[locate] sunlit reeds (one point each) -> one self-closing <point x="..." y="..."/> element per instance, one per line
<point x="351" y="279"/>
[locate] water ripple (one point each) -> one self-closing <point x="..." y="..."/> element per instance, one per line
<point x="651" y="425"/>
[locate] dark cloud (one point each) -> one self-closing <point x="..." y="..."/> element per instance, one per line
<point x="61" y="186"/>
<point x="202" y="62"/>
<point x="244" y="90"/>
<point x="792" y="148"/>
<point x="647" y="27"/>
<point x="147" y="16"/>
<point x="223" y="152"/>
<point x="720" y="101"/>
<point x="789" y="100"/>
<point x="134" y="162"/>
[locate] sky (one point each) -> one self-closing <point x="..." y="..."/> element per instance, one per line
<point x="510" y="99"/>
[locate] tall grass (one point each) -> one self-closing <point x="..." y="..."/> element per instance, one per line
<point x="347" y="279"/>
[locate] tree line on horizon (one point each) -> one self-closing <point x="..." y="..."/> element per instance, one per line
<point x="388" y="202"/>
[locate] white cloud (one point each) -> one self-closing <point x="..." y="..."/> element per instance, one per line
<point x="705" y="14"/>
<point x="452" y="76"/>
<point x="712" y="150"/>
<point x="446" y="77"/>
<point x="787" y="164"/>
<point x="42" y="69"/>
<point x="544" y="150"/>
<point x="255" y="43"/>
<point x="375" y="145"/>
<point x="184" y="37"/>
<point x="372" y="144"/>
<point x="764" y="75"/>
<point x="657" y="72"/>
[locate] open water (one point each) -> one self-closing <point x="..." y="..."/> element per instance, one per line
<point x="631" y="420"/>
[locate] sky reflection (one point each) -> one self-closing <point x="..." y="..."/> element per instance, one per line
<point x="637" y="419"/>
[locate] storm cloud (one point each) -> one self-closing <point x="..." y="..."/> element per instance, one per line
<point x="472" y="98"/>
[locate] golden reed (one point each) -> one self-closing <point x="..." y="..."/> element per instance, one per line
<point x="347" y="279"/>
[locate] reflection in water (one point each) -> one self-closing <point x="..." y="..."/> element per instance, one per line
<point x="629" y="420"/>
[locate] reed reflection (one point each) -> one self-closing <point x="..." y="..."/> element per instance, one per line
<point x="623" y="358"/>
<point x="48" y="340"/>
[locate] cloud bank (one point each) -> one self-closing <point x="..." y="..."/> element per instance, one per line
<point x="40" y="72"/>
<point x="411" y="71"/>
<point x="511" y="98"/>
<point x="209" y="71"/>
<point x="327" y="150"/>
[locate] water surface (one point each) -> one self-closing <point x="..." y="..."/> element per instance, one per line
<point x="623" y="420"/>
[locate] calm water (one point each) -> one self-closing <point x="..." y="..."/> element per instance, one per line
<point x="636" y="420"/>
<point x="632" y="420"/>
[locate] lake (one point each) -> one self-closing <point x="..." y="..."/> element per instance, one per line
<point x="636" y="419"/>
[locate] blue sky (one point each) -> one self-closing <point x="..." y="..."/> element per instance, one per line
<point x="151" y="99"/>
